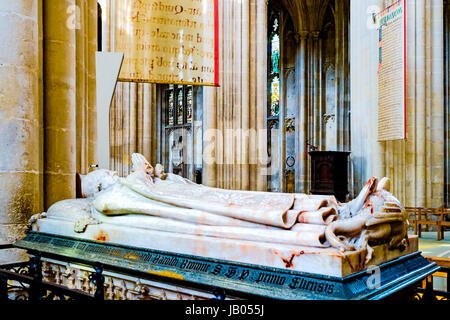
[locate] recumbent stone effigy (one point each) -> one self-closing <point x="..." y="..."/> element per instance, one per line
<point x="307" y="233"/>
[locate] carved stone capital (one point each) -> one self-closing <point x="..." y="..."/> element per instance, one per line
<point x="303" y="35"/>
<point x="315" y="34"/>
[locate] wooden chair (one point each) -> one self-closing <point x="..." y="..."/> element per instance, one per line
<point x="444" y="223"/>
<point x="444" y="272"/>
<point x="419" y="216"/>
<point x="413" y="217"/>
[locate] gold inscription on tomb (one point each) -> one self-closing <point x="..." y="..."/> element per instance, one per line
<point x="168" y="274"/>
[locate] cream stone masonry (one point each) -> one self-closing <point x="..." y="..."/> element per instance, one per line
<point x="308" y="19"/>
<point x="447" y="100"/>
<point x="366" y="154"/>
<point x="236" y="112"/>
<point x="415" y="165"/>
<point x="86" y="46"/>
<point x="133" y="115"/>
<point x="59" y="102"/>
<point x="239" y="104"/>
<point x="48" y="104"/>
<point x="40" y="91"/>
<point x="20" y="119"/>
<point x="343" y="64"/>
<point x="132" y="124"/>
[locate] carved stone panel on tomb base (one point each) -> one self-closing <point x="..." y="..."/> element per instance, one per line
<point x="117" y="286"/>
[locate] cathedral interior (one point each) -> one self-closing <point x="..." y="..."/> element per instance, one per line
<point x="297" y="77"/>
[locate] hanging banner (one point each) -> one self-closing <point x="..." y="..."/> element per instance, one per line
<point x="168" y="41"/>
<point x="392" y="72"/>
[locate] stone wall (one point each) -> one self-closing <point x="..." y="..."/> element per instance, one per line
<point x="20" y="119"/>
<point x="39" y="106"/>
<point x="133" y="125"/>
<point x="235" y="112"/>
<point x="415" y="165"/>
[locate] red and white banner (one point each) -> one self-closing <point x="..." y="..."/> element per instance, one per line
<point x="392" y="72"/>
<point x="168" y="41"/>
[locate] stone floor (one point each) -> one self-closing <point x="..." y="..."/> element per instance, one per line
<point x="431" y="247"/>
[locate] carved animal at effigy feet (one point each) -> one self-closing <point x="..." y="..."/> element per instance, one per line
<point x="374" y="217"/>
<point x="153" y="209"/>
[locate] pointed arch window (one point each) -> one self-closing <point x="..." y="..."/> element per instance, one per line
<point x="274" y="82"/>
<point x="181" y="121"/>
<point x="180" y="104"/>
<point x="274" y="65"/>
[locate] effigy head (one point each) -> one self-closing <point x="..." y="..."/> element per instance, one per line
<point x="96" y="181"/>
<point x="141" y="164"/>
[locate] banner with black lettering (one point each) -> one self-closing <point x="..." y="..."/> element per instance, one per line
<point x="168" y="41"/>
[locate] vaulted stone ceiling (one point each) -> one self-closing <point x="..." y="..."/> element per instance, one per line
<point x="307" y="15"/>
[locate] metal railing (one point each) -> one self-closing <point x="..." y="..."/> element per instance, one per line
<point x="25" y="280"/>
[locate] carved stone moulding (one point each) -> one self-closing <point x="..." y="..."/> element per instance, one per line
<point x="117" y="286"/>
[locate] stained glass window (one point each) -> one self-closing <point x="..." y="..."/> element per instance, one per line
<point x="274" y="71"/>
<point x="275" y="52"/>
<point x="180" y="106"/>
<point x="275" y="96"/>
<point x="171" y="107"/>
<point x="189" y="100"/>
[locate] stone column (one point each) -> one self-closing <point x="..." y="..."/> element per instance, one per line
<point x="92" y="46"/>
<point x="209" y="136"/>
<point x="420" y="102"/>
<point x="81" y="86"/>
<point x="245" y="97"/>
<point x="366" y="154"/>
<point x="60" y="102"/>
<point x="322" y="93"/>
<point x="237" y="109"/>
<point x="261" y="72"/>
<point x="133" y="125"/>
<point x="317" y="116"/>
<point x="415" y="165"/>
<point x="227" y="93"/>
<point x="342" y="72"/>
<point x="447" y="101"/>
<point x="253" y="47"/>
<point x="301" y="125"/>
<point x="20" y="120"/>
<point x="284" y="72"/>
<point x="86" y="46"/>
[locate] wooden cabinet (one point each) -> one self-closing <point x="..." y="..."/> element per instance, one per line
<point x="329" y="173"/>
